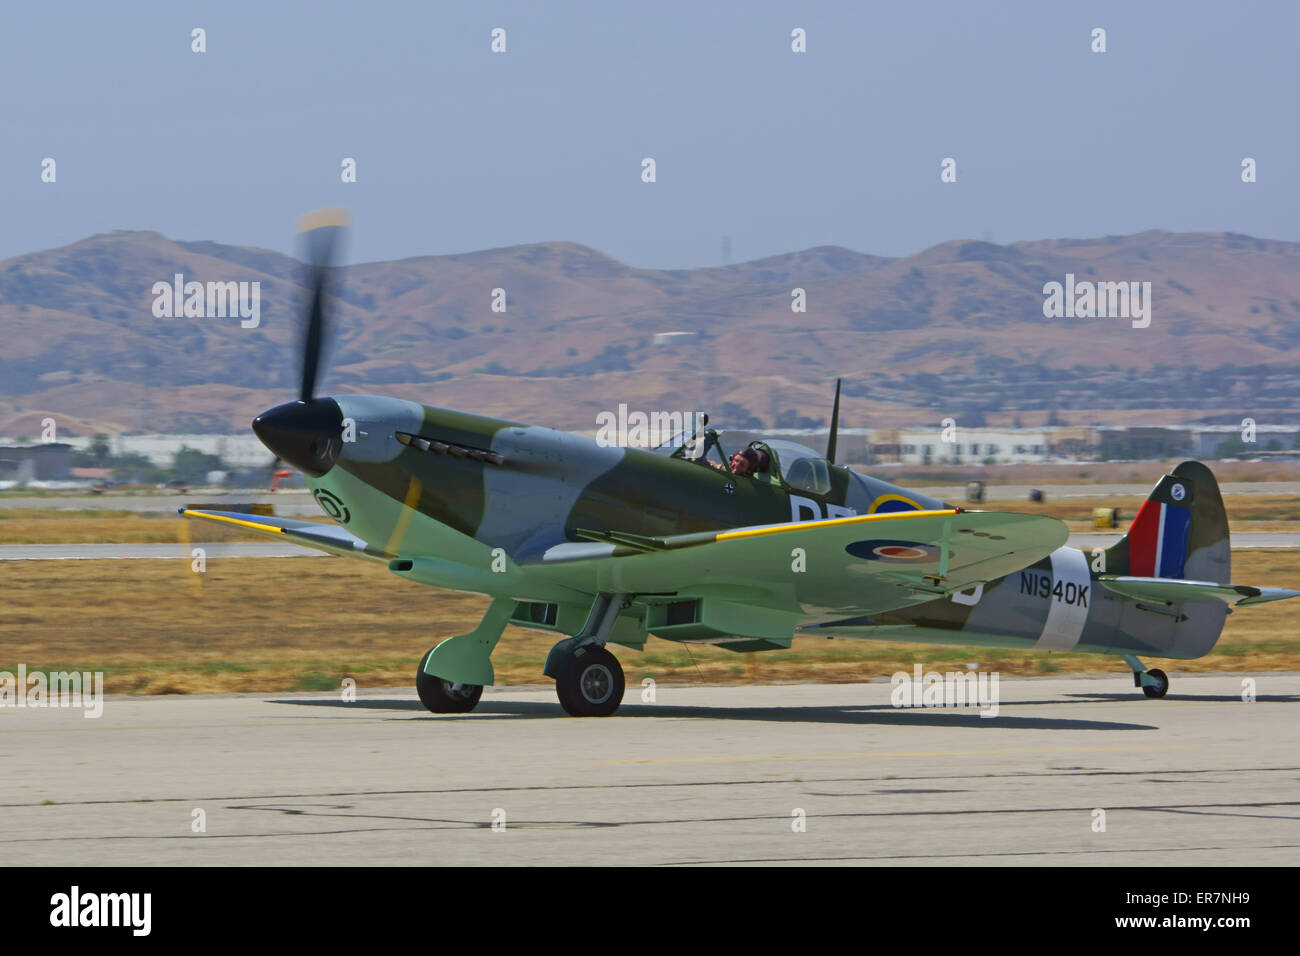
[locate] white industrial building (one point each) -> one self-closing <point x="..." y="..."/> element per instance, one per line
<point x="940" y="446"/>
<point x="237" y="451"/>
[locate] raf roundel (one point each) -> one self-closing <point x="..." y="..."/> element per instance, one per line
<point x="907" y="552"/>
<point x="332" y="505"/>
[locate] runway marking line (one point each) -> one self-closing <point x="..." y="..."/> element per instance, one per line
<point x="900" y="753"/>
<point x="308" y="723"/>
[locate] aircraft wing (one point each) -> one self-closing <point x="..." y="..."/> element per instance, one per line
<point x="863" y="564"/>
<point x="309" y="534"/>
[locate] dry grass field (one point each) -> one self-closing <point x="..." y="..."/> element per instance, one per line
<point x="275" y="624"/>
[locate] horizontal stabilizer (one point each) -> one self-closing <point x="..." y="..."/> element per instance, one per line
<point x="1175" y="590"/>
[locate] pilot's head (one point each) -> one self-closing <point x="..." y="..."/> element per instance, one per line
<point x="742" y="462"/>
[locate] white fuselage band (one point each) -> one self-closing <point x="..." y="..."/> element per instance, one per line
<point x="1067" y="609"/>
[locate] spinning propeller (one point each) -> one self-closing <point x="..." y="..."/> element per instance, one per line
<point x="307" y="434"/>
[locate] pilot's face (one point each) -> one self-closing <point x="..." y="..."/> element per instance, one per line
<point x="739" y="465"/>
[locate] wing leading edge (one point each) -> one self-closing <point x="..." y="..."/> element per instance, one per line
<point x="309" y="534"/>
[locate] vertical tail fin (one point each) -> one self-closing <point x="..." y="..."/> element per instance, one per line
<point x="1181" y="531"/>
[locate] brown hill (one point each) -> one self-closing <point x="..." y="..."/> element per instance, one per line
<point x="955" y="330"/>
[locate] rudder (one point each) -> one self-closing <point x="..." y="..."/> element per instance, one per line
<point x="1181" y="530"/>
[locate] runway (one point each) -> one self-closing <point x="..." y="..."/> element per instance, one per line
<point x="275" y="549"/>
<point x="704" y="775"/>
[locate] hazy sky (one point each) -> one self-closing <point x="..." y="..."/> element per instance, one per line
<point x="461" y="149"/>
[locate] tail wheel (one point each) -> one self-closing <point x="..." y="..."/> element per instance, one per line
<point x="590" y="682"/>
<point x="1161" y="687"/>
<point x="444" y="696"/>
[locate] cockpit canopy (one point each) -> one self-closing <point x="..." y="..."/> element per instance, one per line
<point x="801" y="468"/>
<point x="798" y="466"/>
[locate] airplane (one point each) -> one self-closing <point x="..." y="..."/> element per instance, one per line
<point x="605" y="545"/>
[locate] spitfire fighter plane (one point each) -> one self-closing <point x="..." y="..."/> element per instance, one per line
<point x="604" y="545"/>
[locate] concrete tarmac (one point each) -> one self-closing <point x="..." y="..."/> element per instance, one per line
<point x="703" y="775"/>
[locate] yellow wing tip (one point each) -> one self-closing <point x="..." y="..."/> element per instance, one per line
<point x="208" y="516"/>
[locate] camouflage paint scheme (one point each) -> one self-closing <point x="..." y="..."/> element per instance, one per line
<point x="1014" y="611"/>
<point x="544" y="521"/>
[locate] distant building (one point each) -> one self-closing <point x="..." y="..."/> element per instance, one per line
<point x="1078" y="442"/>
<point x="1206" y="439"/>
<point x="238" y="451"/>
<point x="927" y="446"/>
<point x="1143" y="442"/>
<point x="50" y="461"/>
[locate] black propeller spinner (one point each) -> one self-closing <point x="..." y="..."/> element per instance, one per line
<point x="307" y="434"/>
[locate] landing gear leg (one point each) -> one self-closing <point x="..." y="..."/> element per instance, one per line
<point x="443" y="696"/>
<point x="588" y="679"/>
<point x="451" y="677"/>
<point x="1154" y="682"/>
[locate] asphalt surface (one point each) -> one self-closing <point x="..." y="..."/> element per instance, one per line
<point x="274" y="549"/>
<point x="703" y="775"/>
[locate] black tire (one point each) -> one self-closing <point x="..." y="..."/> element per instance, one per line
<point x="589" y="682"/>
<point x="1157" y="690"/>
<point x="442" y="696"/>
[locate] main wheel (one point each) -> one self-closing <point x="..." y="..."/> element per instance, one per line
<point x="444" y="696"/>
<point x="589" y="682"/>
<point x="1158" y="689"/>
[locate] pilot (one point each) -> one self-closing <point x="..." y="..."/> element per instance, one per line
<point x="741" y="462"/>
<point x="749" y="461"/>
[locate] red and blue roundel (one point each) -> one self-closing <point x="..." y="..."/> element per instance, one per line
<point x="906" y="552"/>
